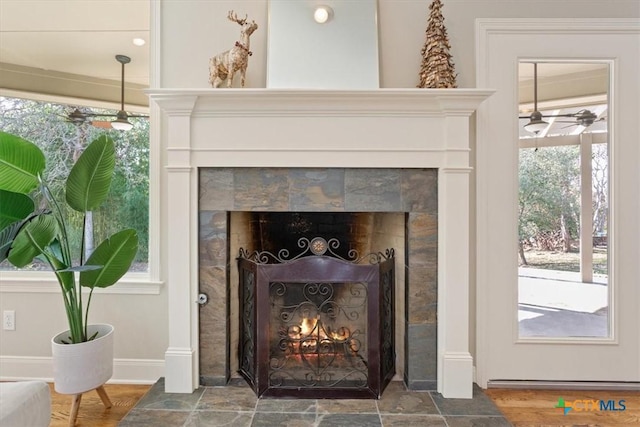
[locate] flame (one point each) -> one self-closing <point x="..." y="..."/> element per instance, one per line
<point x="309" y="329"/>
<point x="307" y="325"/>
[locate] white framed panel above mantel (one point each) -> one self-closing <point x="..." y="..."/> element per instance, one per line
<point x="340" y="53"/>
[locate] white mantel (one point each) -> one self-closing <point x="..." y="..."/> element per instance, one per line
<point x="384" y="128"/>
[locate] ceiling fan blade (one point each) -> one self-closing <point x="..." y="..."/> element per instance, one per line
<point x="100" y="115"/>
<point x="76" y="116"/>
<point x="102" y="124"/>
<point x="138" y="116"/>
<point x="558" y="115"/>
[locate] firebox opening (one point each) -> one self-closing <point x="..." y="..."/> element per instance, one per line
<point x="357" y="232"/>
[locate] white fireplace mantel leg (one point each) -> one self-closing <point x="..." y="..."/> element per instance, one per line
<point x="181" y="356"/>
<point x="455" y="364"/>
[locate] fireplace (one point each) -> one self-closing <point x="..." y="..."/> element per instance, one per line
<point x="270" y="209"/>
<point x="207" y="135"/>
<point x="314" y="324"/>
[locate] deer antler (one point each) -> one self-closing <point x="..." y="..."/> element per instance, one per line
<point x="233" y="17"/>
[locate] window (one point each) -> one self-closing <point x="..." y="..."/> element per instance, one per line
<point x="563" y="209"/>
<point x="47" y="124"/>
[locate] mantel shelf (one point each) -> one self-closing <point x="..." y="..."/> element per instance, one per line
<point x="398" y="101"/>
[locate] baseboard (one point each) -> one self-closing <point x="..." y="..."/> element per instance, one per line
<point x="565" y="385"/>
<point x="457" y="371"/>
<point x="125" y="371"/>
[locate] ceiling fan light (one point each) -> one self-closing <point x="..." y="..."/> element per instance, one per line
<point x="536" y="125"/>
<point x="121" y="122"/>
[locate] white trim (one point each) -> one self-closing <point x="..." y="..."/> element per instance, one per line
<point x="125" y="371"/>
<point x="70" y="100"/>
<point x="457" y="367"/>
<point x="500" y="44"/>
<point x="45" y="282"/>
<point x="565" y="385"/>
<point x="156" y="232"/>
<point x="561" y="26"/>
<point x="181" y="370"/>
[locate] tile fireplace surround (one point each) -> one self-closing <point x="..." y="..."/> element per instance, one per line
<point x="392" y="129"/>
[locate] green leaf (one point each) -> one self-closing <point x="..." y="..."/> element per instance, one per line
<point x="90" y="178"/>
<point x="115" y="255"/>
<point x="14" y="207"/>
<point x="6" y="238"/>
<point x="21" y="162"/>
<point x="32" y="240"/>
<point x="80" y="268"/>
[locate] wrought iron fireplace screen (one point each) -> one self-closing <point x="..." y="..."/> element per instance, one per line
<point x="316" y="325"/>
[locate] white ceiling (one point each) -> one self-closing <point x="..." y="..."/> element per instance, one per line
<point x="76" y="36"/>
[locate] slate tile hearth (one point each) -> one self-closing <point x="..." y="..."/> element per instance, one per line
<point x="236" y="405"/>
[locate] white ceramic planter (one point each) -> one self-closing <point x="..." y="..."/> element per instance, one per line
<point x="78" y="368"/>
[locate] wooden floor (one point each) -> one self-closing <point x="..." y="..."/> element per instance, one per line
<point x="92" y="412"/>
<point x="521" y="407"/>
<point x="537" y="407"/>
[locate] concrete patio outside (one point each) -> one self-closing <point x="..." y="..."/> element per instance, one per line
<point x="557" y="304"/>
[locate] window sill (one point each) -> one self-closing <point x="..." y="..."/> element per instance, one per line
<point x="45" y="282"/>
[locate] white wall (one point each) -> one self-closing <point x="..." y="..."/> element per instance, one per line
<point x="139" y="344"/>
<point x="194" y="30"/>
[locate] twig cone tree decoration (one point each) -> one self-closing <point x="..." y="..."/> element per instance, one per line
<point x="437" y="69"/>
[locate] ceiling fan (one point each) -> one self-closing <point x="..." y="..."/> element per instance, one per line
<point x="537" y="123"/>
<point x="121" y="121"/>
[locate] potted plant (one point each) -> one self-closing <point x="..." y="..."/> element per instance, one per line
<point x="33" y="225"/>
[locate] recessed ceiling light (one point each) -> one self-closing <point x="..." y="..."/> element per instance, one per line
<point x="139" y="42"/>
<point x="322" y="14"/>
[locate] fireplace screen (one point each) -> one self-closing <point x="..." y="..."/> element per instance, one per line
<point x="317" y="325"/>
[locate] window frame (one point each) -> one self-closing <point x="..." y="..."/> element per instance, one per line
<point x="137" y="283"/>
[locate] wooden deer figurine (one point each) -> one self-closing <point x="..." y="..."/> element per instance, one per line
<point x="224" y="65"/>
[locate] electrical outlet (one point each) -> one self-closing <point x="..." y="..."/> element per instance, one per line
<point x="9" y="320"/>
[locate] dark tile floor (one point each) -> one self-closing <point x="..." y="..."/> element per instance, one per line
<point x="237" y="406"/>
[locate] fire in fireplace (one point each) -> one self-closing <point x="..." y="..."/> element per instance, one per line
<point x="317" y="334"/>
<point x="317" y="325"/>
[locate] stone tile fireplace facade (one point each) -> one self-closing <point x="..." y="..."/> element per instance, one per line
<point x="206" y="131"/>
<point x="411" y="193"/>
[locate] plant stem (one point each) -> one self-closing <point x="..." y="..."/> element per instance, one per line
<point x="72" y="294"/>
<point x="57" y="213"/>
<point x="86" y="316"/>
